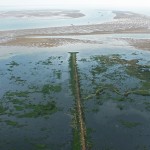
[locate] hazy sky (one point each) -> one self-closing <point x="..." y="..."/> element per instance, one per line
<point x="78" y="3"/>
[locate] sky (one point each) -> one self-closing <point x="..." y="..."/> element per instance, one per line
<point x="77" y="3"/>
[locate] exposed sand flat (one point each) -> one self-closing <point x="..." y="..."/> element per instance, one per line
<point x="45" y="42"/>
<point x="143" y="44"/>
<point x="124" y="22"/>
<point x="127" y="14"/>
<point x="43" y="14"/>
<point x="128" y="24"/>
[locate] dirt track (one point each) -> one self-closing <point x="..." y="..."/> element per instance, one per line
<point x="79" y="103"/>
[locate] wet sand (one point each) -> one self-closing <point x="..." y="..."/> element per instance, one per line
<point x="43" y="14"/>
<point x="143" y="44"/>
<point x="45" y="42"/>
<point x="124" y="22"/>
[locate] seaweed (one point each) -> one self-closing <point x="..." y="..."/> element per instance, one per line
<point x="129" y="124"/>
<point x="47" y="88"/>
<point x="45" y="62"/>
<point x="17" y="94"/>
<point x="13" y="123"/>
<point x="2" y="109"/>
<point x="147" y="106"/>
<point x="138" y="92"/>
<point x="121" y="107"/>
<point x="40" y="110"/>
<point x="12" y="64"/>
<point x="41" y="146"/>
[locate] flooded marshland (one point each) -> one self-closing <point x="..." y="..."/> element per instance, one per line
<point x="80" y="92"/>
<point x="38" y="97"/>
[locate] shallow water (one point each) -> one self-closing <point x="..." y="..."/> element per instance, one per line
<point x="99" y="37"/>
<point x="32" y="77"/>
<point x="26" y="92"/>
<point x="91" y="17"/>
<point x="115" y="121"/>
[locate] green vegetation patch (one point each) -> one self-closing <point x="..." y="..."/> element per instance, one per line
<point x="17" y="79"/>
<point x="120" y="99"/>
<point x="129" y="124"/>
<point x="104" y="62"/>
<point x="76" y="143"/>
<point x="58" y="74"/>
<point x="98" y="70"/>
<point x="84" y="60"/>
<point x="99" y="90"/>
<point x="13" y="123"/>
<point x="2" y="110"/>
<point x="72" y="73"/>
<point x="76" y="140"/>
<point x="17" y="101"/>
<point x="48" y="61"/>
<point x="140" y="71"/>
<point x="13" y="64"/>
<point x="17" y="94"/>
<point x="121" y="107"/>
<point x="146" y="85"/>
<point x="132" y="67"/>
<point x="147" y="105"/>
<point x="138" y="92"/>
<point x="108" y="60"/>
<point x="39" y="110"/>
<point x="19" y="108"/>
<point x="40" y="146"/>
<point x="47" y="88"/>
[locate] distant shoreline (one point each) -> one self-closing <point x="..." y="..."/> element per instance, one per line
<point x="124" y="22"/>
<point x="41" y="13"/>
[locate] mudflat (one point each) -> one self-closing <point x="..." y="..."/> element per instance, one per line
<point x="123" y="23"/>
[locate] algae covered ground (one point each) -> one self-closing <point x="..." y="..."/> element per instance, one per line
<point x="55" y="99"/>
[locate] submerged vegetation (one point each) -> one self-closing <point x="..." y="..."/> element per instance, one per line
<point x="2" y="109"/>
<point x="40" y="110"/>
<point x="129" y="124"/>
<point x="47" y="89"/>
<point x="102" y="87"/>
<point x="13" y="123"/>
<point x="112" y="69"/>
<point x="111" y="88"/>
<point x="13" y="64"/>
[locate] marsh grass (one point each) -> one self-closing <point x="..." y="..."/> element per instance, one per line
<point x="2" y="109"/>
<point x="129" y="124"/>
<point x="13" y="123"/>
<point x="19" y="108"/>
<point x="40" y="146"/>
<point x="17" y="79"/>
<point x="120" y="106"/>
<point x="17" y="101"/>
<point x="116" y="69"/>
<point x="47" y="88"/>
<point x="45" y="62"/>
<point x="40" y="110"/>
<point x="17" y="94"/>
<point x="58" y="74"/>
<point x="147" y="106"/>
<point x="12" y="64"/>
<point x="76" y="144"/>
